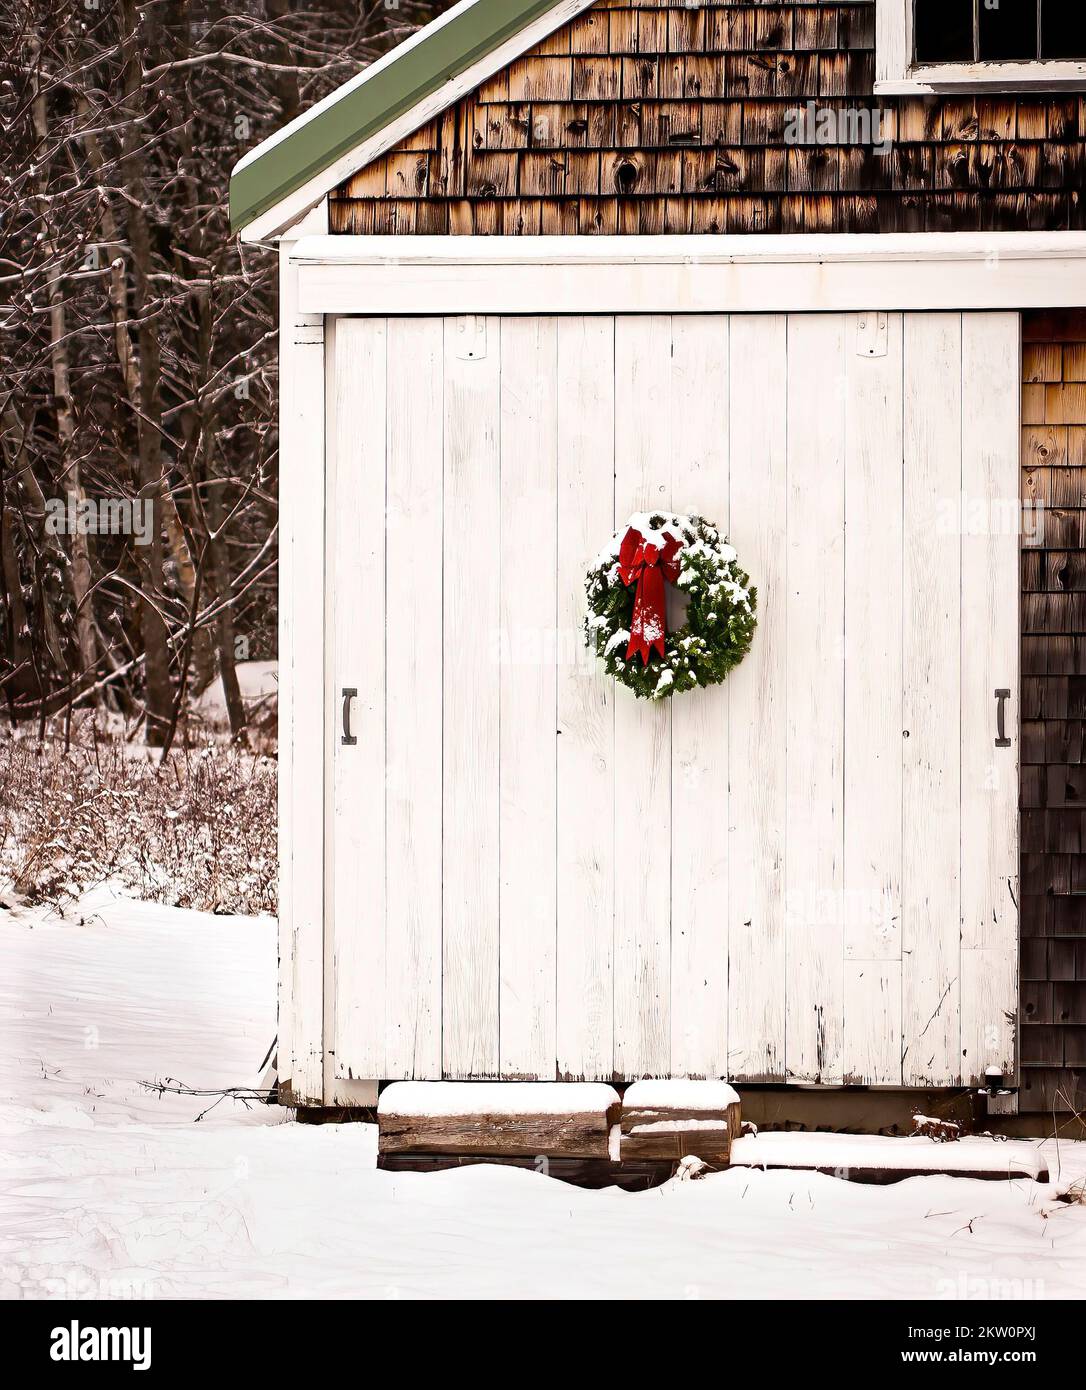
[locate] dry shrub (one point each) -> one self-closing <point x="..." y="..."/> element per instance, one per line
<point x="196" y="831"/>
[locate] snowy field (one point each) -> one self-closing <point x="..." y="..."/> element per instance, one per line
<point x="108" y="1189"/>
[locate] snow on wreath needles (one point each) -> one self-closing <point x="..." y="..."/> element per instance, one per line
<point x="720" y="613"/>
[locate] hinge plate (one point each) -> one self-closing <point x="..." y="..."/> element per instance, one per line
<point x="471" y="337"/>
<point x="871" y="334"/>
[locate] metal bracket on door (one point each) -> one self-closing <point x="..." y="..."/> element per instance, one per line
<point x="471" y="337"/>
<point x="872" y="335"/>
<point x="1002" y="741"/>
<point x="348" y="740"/>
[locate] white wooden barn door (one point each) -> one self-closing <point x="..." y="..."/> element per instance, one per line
<point x="807" y="874"/>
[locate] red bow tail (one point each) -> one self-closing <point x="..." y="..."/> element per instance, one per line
<point x="647" y="565"/>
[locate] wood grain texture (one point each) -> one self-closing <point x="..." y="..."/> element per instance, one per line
<point x="872" y="1022"/>
<point x="358" y="800"/>
<point x="649" y="119"/>
<point x="757" y="732"/>
<point x="990" y="541"/>
<point x="699" y="751"/>
<point x="527" y="658"/>
<point x="413" y="717"/>
<point x="472" y="616"/>
<point x="566" y="1136"/>
<point x="586" y="705"/>
<point x="931" y="665"/>
<point x="874" y="472"/>
<point x="815" y="696"/>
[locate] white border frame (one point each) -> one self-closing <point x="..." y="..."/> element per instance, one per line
<point x="896" y="73"/>
<point x="689" y="274"/>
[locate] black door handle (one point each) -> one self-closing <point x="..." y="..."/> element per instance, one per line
<point x="1002" y="696"/>
<point x="349" y="740"/>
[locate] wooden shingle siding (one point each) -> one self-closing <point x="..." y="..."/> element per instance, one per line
<point x="1053" y="774"/>
<point x="643" y="116"/>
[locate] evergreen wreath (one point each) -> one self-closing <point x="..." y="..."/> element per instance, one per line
<point x="625" y="588"/>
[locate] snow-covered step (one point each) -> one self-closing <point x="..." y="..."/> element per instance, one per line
<point x="885" y="1158"/>
<point x="501" y="1118"/>
<point x="672" y="1119"/>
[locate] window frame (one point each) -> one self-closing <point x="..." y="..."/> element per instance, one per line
<point x="897" y="72"/>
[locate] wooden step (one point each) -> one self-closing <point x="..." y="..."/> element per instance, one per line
<point x="674" y="1119"/>
<point x="498" y="1118"/>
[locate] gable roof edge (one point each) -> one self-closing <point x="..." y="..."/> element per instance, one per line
<point x="283" y="177"/>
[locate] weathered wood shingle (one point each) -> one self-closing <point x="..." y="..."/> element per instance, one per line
<point x="1053" y="745"/>
<point x="644" y="116"/>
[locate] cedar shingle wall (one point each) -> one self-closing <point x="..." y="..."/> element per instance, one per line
<point x="1053" y="1005"/>
<point x="646" y="117"/>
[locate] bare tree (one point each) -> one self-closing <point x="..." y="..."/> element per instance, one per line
<point x="138" y="371"/>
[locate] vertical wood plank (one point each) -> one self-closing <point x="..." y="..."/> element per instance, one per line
<point x="643" y="446"/>
<point x="358" y="803"/>
<point x="586" y="705"/>
<point x="413" y="714"/>
<point x="931" y="668"/>
<point x="699" y="751"/>
<point x="989" y="1013"/>
<point x="990" y="516"/>
<point x="815" y="630"/>
<point x="874" y="467"/>
<point x="528" y="752"/>
<point x="471" y="706"/>
<point x="872" y="1027"/>
<point x="757" y="736"/>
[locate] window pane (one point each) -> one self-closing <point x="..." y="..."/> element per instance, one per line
<point x="944" y="31"/>
<point x="1063" y="29"/>
<point x="1008" y="30"/>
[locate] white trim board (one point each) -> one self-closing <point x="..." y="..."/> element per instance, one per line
<point x="676" y="274"/>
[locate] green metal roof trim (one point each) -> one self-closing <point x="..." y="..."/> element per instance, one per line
<point x="418" y="73"/>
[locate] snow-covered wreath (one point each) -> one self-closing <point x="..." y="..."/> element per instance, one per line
<point x="627" y="605"/>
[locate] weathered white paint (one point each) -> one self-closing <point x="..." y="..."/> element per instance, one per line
<point x="931" y="704"/>
<point x="757" y="812"/>
<point x="768" y="880"/>
<point x="690" y="274"/>
<point x="470" y="786"/>
<point x="528" y="677"/>
<point x="990" y="513"/>
<point x="413" y="672"/>
<point x="700" y="473"/>
<point x="871" y="904"/>
<point x="874" y="451"/>
<point x="815" y="696"/>
<point x="357" y="568"/>
<point x="586" y="705"/>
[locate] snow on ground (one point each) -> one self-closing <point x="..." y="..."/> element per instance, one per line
<point x="109" y="1190"/>
<point x="258" y="681"/>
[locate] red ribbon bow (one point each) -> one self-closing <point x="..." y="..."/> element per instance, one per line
<point x="646" y="563"/>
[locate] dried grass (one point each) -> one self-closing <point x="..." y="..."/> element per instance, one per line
<point x="197" y="831"/>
